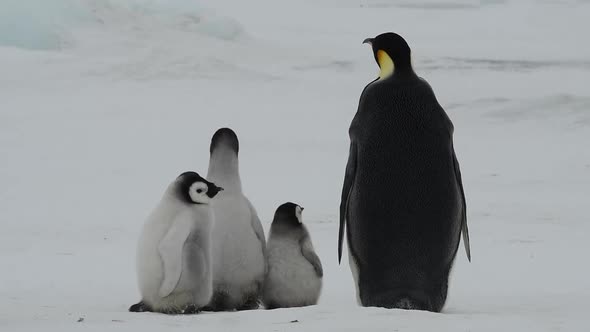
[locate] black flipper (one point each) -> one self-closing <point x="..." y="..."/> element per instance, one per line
<point x="311" y="256"/>
<point x="348" y="181"/>
<point x="464" y="229"/>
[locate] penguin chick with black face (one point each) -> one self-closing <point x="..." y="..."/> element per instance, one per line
<point x="174" y="252"/>
<point x="294" y="277"/>
<point x="238" y="236"/>
<point x="403" y="205"/>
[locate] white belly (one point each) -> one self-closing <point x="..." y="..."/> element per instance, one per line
<point x="291" y="280"/>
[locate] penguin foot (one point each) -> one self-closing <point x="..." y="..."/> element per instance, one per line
<point x="252" y="303"/>
<point x="214" y="308"/>
<point x="219" y="302"/>
<point x="140" y="307"/>
<point x="191" y="309"/>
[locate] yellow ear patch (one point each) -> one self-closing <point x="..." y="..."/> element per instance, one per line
<point x="385" y="63"/>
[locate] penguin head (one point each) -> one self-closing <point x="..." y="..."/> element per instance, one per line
<point x="392" y="53"/>
<point x="194" y="189"/>
<point x="225" y="137"/>
<point x="288" y="214"/>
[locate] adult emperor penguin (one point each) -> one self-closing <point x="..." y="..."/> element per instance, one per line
<point x="294" y="277"/>
<point x="238" y="238"/>
<point x="402" y="203"/>
<point x="174" y="251"/>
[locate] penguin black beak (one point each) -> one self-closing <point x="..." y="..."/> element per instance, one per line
<point x="368" y="41"/>
<point x="214" y="191"/>
<point x="302" y="208"/>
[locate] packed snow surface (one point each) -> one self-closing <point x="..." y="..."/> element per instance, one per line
<point x="103" y="103"/>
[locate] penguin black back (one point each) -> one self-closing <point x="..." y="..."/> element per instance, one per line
<point x="402" y="198"/>
<point x="226" y="137"/>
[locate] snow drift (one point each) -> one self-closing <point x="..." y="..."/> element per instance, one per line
<point x="55" y="24"/>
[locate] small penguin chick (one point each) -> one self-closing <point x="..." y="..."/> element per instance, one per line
<point x="294" y="277"/>
<point x="174" y="250"/>
<point x="238" y="237"/>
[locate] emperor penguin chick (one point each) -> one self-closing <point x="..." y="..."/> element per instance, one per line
<point x="238" y="237"/>
<point x="174" y="251"/>
<point x="294" y="277"/>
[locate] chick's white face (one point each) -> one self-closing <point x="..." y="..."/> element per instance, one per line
<point x="198" y="193"/>
<point x="298" y="211"/>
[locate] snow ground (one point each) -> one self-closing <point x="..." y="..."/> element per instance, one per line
<point x="103" y="103"/>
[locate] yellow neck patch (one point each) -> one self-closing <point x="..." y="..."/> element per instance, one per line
<point x="385" y="63"/>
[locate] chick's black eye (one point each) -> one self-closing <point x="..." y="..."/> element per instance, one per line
<point x="199" y="191"/>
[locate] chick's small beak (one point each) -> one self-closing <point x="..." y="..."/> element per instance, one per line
<point x="368" y="41"/>
<point x="214" y="191"/>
